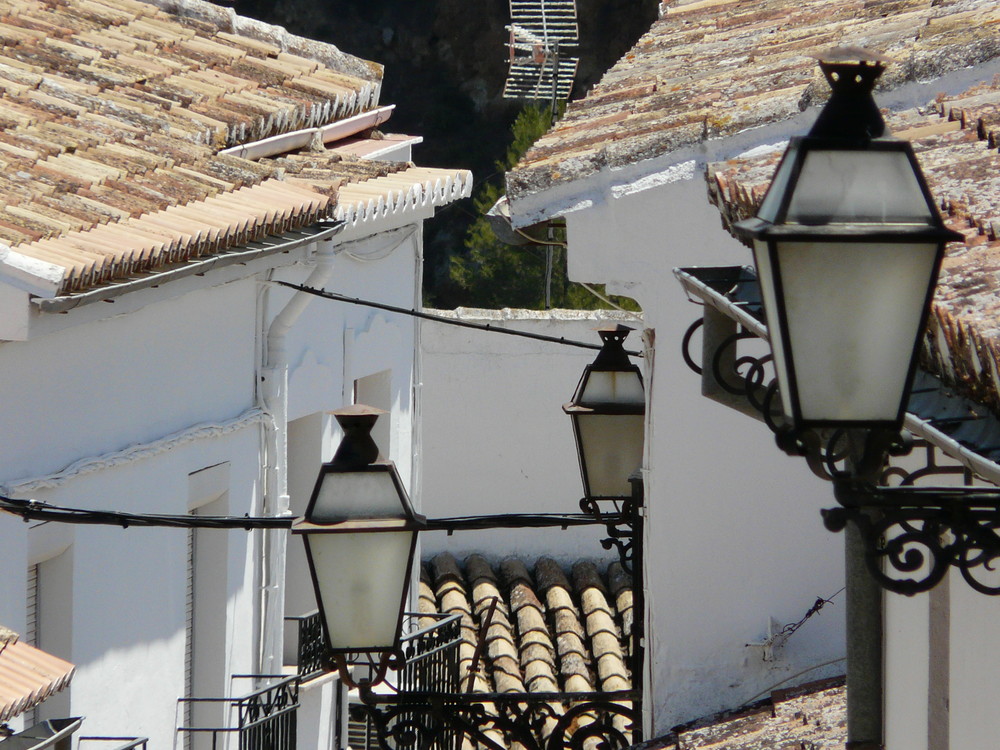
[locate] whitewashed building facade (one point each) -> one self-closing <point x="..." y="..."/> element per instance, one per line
<point x="152" y="365"/>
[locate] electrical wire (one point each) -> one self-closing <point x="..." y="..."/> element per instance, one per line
<point x="36" y="510"/>
<point x="442" y="319"/>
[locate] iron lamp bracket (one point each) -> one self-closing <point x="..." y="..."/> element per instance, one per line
<point x="914" y="535"/>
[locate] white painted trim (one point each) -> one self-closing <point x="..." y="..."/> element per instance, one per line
<point x="35" y="276"/>
<point x="135" y="453"/>
<point x="285" y="142"/>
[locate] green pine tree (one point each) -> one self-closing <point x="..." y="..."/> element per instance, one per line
<point x="492" y="274"/>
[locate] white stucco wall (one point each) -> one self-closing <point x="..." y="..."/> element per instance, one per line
<point x="144" y="392"/>
<point x="494" y="436"/>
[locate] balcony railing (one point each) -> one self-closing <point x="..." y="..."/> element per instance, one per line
<point x="430" y="664"/>
<point x="431" y="653"/>
<point x="262" y="720"/>
<point x="431" y="656"/>
<point x="308" y="630"/>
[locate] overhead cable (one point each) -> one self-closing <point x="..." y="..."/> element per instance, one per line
<point x="36" y="510"/>
<point x="443" y="319"/>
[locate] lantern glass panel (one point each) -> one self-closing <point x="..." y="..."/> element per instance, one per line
<point x="361" y="578"/>
<point x="356" y="494"/>
<point x="779" y="184"/>
<point x="612" y="387"/>
<point x="853" y="323"/>
<point x="611" y="450"/>
<point x="858" y="186"/>
<point x="765" y="275"/>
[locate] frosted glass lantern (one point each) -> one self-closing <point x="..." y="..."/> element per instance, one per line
<point x="360" y="534"/>
<point x="847" y="244"/>
<point x="608" y="411"/>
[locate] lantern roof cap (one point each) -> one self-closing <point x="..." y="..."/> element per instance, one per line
<point x="357" y="410"/>
<point x="358" y="449"/>
<point x="851" y="112"/>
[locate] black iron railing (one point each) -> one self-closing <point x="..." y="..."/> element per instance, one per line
<point x="431" y="656"/>
<point x="497" y="721"/>
<point x="310" y="648"/>
<point x="262" y="720"/>
<point x="430" y="663"/>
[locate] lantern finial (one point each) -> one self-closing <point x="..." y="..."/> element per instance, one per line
<point x="851" y="112"/>
<point x="358" y="448"/>
<point x="612" y="355"/>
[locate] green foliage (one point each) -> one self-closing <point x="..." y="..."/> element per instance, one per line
<point x="492" y="274"/>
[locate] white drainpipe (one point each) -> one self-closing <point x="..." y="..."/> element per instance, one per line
<point x="274" y="395"/>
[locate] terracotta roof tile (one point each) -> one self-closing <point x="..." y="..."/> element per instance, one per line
<point x="710" y="69"/>
<point x="546" y="633"/>
<point x="111" y="111"/>
<point x="27" y="675"/>
<point x="812" y="716"/>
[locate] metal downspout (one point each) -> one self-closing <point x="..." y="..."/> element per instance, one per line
<point x="274" y="397"/>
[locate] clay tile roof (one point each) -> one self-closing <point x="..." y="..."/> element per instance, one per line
<point x="112" y="117"/>
<point x="712" y="68"/>
<point x="552" y="629"/>
<point x="956" y="143"/>
<point x="27" y="675"/>
<point x="812" y="716"/>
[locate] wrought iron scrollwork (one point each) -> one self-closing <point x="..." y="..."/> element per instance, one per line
<point x="686" y="346"/>
<point x="913" y="536"/>
<point x="740" y="374"/>
<point x="536" y="721"/>
<point x="619" y="524"/>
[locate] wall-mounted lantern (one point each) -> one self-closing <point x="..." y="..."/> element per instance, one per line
<point x="847" y="244"/>
<point x="608" y="411"/>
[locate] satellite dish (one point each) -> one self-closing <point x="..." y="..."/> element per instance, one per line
<point x="541" y="31"/>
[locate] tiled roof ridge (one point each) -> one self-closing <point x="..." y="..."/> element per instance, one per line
<point x="546" y="634"/>
<point x="226" y="19"/>
<point x="714" y="69"/>
<point x="146" y="72"/>
<point x="538" y="651"/>
<point x="571" y="637"/>
<point x="599" y="620"/>
<point x="956" y="142"/>
<point x="487" y="602"/>
<point x="75" y="257"/>
<point x="448" y="596"/>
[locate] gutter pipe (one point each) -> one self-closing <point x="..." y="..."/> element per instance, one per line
<point x="274" y="401"/>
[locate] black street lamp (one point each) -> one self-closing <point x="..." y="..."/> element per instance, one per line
<point x="847" y="244"/>
<point x="360" y="533"/>
<point x="608" y="411"/>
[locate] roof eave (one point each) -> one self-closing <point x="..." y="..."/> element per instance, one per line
<point x="37" y="277"/>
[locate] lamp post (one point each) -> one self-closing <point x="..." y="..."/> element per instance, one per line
<point x="360" y="533"/>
